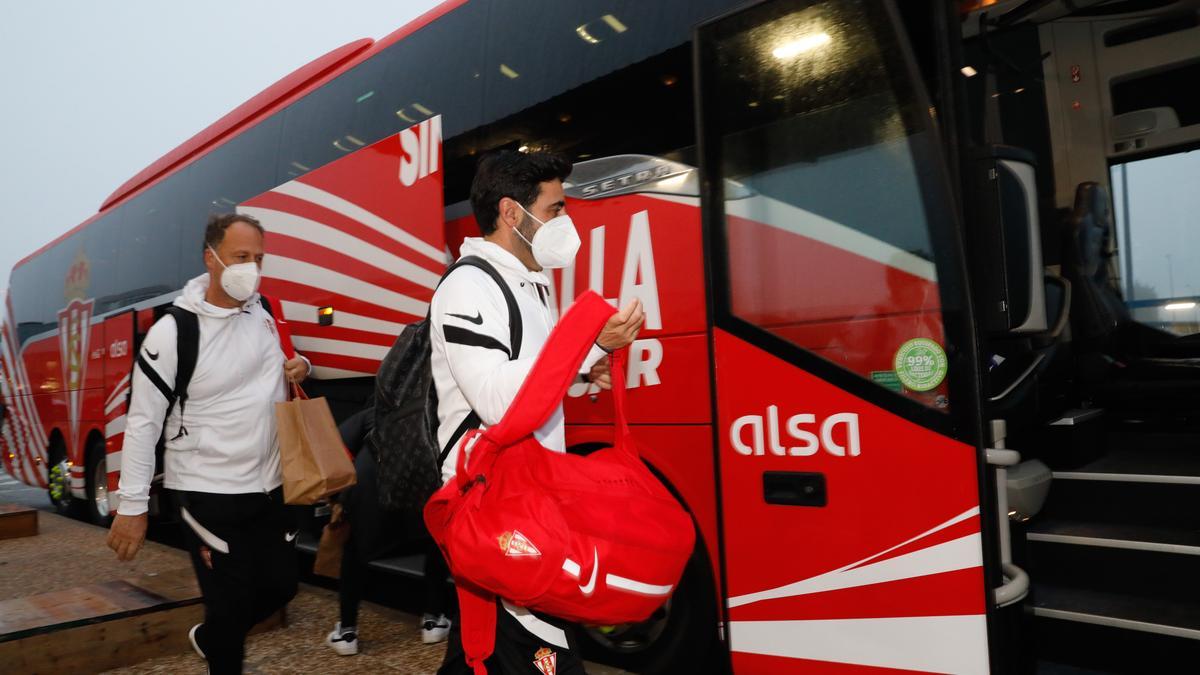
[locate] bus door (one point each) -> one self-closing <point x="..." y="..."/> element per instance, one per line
<point x="847" y="427"/>
<point x="119" y="339"/>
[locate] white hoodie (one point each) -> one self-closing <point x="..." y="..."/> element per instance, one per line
<point x="469" y="326"/>
<point x="230" y="446"/>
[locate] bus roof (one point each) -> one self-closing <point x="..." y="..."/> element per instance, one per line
<point x="279" y="95"/>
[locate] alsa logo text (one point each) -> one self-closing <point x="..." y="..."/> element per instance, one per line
<point x="759" y="435"/>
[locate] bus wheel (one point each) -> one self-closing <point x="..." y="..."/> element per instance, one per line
<point x="58" y="483"/>
<point x="98" y="510"/>
<point x="681" y="637"/>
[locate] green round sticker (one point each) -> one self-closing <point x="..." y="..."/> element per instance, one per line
<point x="920" y="364"/>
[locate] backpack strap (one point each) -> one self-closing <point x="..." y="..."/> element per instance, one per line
<point x="515" y="331"/>
<point x="515" y="324"/>
<point x="187" y="349"/>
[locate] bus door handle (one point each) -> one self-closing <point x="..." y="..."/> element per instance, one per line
<point x="794" y="488"/>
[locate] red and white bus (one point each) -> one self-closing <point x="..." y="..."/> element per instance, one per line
<point x="920" y="293"/>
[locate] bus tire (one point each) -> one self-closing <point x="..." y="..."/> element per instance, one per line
<point x="96" y="476"/>
<point x="58" y="480"/>
<point x="680" y="638"/>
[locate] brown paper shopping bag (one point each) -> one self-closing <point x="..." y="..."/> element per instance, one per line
<point x="315" y="462"/>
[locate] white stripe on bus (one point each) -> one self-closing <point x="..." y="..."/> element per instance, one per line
<point x="927" y="644"/>
<point x="784" y="216"/>
<point x="327" y="373"/>
<point x="116" y="402"/>
<point x="334" y="239"/>
<point x="961" y="553"/>
<point x="340" y="347"/>
<point x="117" y="426"/>
<point x="360" y="215"/>
<point x="308" y="274"/>
<point x="117" y="392"/>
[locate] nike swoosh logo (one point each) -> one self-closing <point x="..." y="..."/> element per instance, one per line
<point x="591" y="584"/>
<point x="477" y="319"/>
<point x="289" y="537"/>
<point x="152" y="355"/>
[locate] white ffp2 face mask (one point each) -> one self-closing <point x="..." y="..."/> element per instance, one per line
<point x="555" y="243"/>
<point x="240" y="280"/>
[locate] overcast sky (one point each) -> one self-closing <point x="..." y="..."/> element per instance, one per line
<point x="93" y="92"/>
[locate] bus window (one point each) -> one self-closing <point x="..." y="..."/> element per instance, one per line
<point x="1155" y="205"/>
<point x="827" y="237"/>
<point x="575" y="43"/>
<point x="148" y="244"/>
<point x="389" y="92"/>
<point x="236" y="170"/>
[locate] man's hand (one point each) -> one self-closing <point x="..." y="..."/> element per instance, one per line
<point x="622" y="328"/>
<point x="601" y="374"/>
<point x="127" y="535"/>
<point x="296" y="369"/>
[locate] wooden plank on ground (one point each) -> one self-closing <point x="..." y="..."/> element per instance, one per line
<point x="17" y="521"/>
<point x="103" y="626"/>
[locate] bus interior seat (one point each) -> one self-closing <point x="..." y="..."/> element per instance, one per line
<point x="1120" y="362"/>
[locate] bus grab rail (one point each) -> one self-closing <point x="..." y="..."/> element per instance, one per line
<point x="1016" y="580"/>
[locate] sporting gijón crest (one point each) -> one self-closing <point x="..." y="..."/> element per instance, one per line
<point x="546" y="661"/>
<point x="74" y="329"/>
<point x="516" y="545"/>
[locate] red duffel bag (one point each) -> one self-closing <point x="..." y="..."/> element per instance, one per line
<point x="594" y="539"/>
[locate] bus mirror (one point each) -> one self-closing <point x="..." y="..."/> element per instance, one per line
<point x="1004" y="242"/>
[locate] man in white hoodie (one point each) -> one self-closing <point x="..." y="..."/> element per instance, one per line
<point x="222" y="454"/>
<point x="519" y="205"/>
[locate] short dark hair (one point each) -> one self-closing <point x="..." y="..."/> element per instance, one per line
<point x="512" y="174"/>
<point x="214" y="232"/>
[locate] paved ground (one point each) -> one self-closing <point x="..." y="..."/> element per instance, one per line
<point x="390" y="643"/>
<point x="390" y="639"/>
<point x="69" y="553"/>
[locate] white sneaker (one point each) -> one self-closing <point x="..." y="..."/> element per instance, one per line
<point x="434" y="629"/>
<point x="196" y="645"/>
<point x="344" y="641"/>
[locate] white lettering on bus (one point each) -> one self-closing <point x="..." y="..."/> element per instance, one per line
<point x="420" y="150"/>
<point x="638" y="279"/>
<point x="118" y="349"/>
<point x="765" y="434"/>
<point x="638" y="276"/>
<point x="596" y="262"/>
<point x="645" y="357"/>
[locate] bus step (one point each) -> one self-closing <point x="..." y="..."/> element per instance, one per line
<point x="1151" y="574"/>
<point x="410" y="565"/>
<point x="1146" y="505"/>
<point x="1162" y="616"/>
<point x="1065" y="645"/>
<point x="1158" y="538"/>
<point x="1129" y="464"/>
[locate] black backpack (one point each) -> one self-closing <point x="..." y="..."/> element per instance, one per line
<point x="187" y="349"/>
<point x="405" y="433"/>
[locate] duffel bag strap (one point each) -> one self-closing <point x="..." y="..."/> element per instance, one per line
<point x="477" y="621"/>
<point x="556" y="368"/>
<point x="622" y="439"/>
